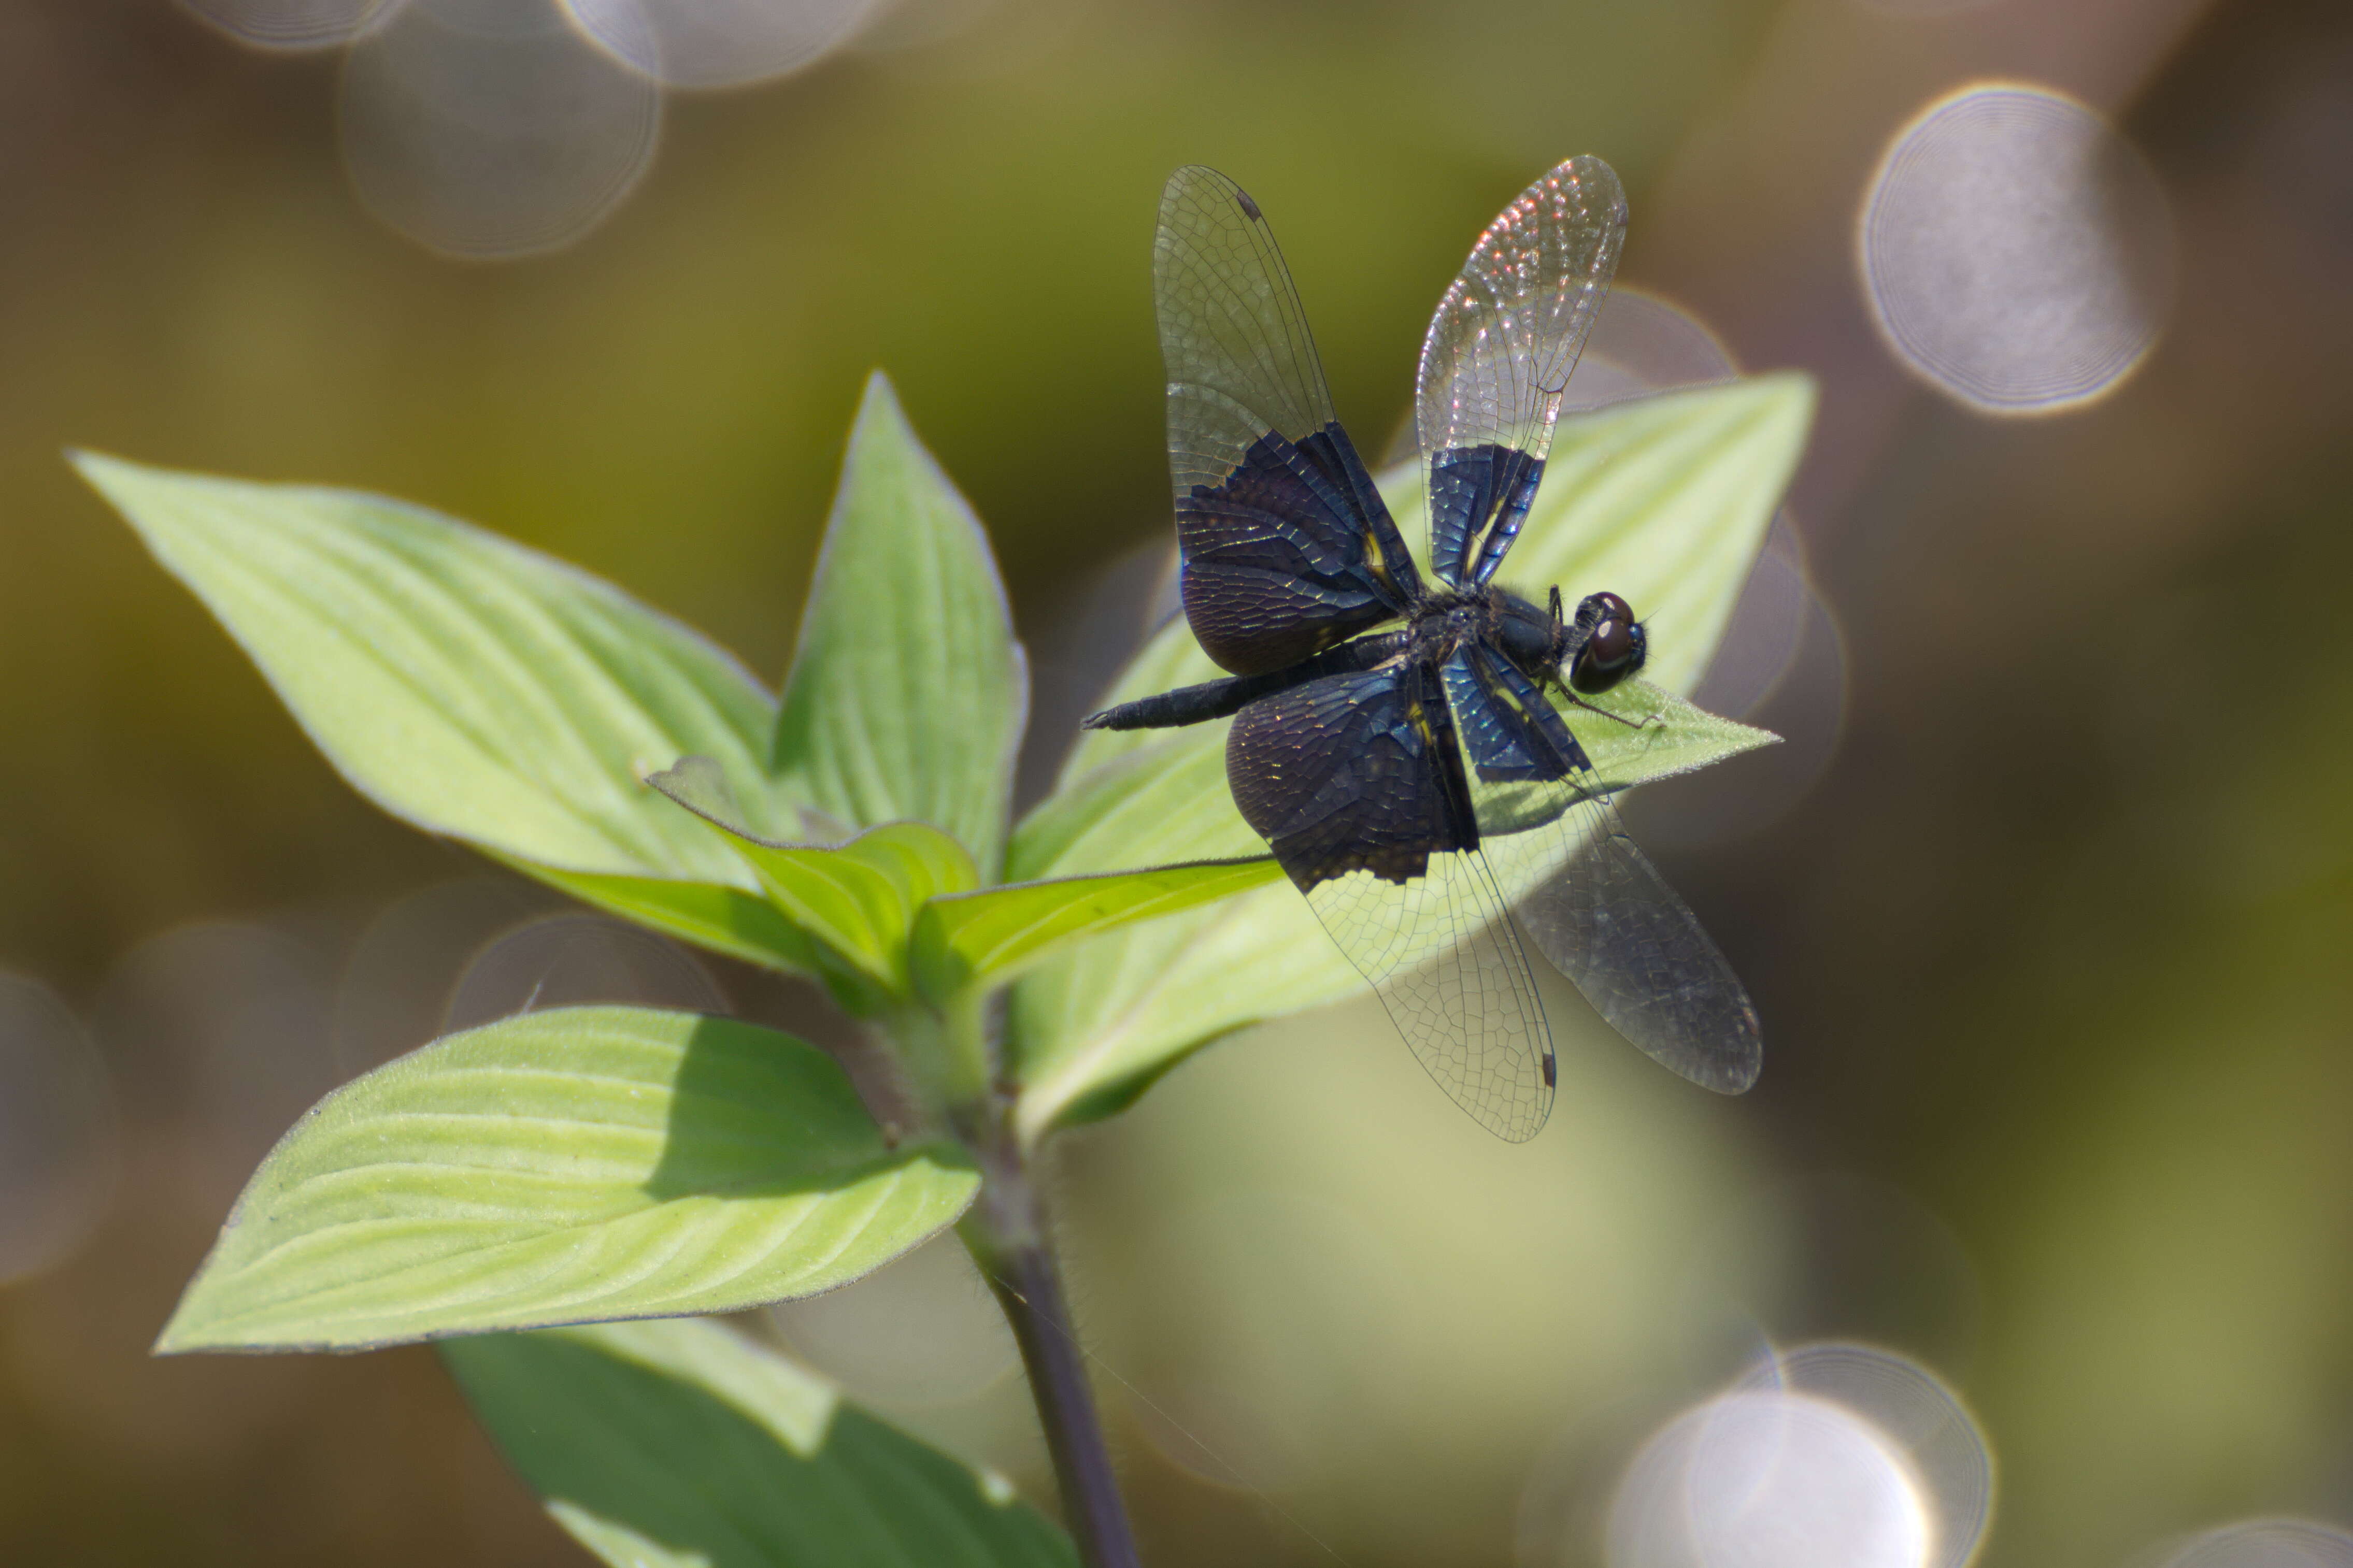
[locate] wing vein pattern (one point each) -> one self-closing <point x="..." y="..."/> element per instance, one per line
<point x="1355" y="783"/>
<point x="1498" y="356"/>
<point x="1287" y="547"/>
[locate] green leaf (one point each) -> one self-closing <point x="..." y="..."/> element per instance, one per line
<point x="964" y="938"/>
<point x="562" y="1167"/>
<point x="857" y="901"/>
<point x="683" y="1445"/>
<point x="463" y="683"/>
<point x="1664" y="501"/>
<point x="1662" y="736"/>
<point x="861" y="897"/>
<point x="908" y="693"/>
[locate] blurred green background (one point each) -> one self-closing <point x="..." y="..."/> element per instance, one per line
<point x="2046" y="904"/>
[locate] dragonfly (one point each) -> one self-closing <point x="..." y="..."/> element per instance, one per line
<point x="1404" y="734"/>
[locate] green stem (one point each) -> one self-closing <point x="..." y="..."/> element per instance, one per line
<point x="1008" y="1234"/>
<point x="947" y="1047"/>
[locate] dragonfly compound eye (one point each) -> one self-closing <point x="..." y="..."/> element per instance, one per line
<point x="1612" y="653"/>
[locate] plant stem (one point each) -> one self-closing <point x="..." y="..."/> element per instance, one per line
<point x="1008" y="1235"/>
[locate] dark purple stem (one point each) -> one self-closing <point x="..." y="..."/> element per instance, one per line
<point x="1008" y="1235"/>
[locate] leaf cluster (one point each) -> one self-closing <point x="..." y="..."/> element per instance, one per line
<point x="595" y="1166"/>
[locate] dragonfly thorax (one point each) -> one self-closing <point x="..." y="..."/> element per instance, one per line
<point x="1532" y="638"/>
<point x="1589" y="652"/>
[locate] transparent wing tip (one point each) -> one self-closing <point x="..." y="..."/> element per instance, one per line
<point x="1727" y="1058"/>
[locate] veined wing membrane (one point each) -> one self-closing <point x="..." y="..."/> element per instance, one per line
<point x="1355" y="782"/>
<point x="1633" y="947"/>
<point x="1498" y="356"/>
<point x="1447" y="965"/>
<point x="1239" y="357"/>
<point x="1586" y="896"/>
<point x="1287" y="546"/>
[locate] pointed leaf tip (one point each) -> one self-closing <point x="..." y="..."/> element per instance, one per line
<point x="908" y="692"/>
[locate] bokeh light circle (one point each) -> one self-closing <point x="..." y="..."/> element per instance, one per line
<point x="2268" y="1543"/>
<point x="1783" y="643"/>
<point x="718" y="42"/>
<point x="493" y="130"/>
<point x="1769" y="624"/>
<point x="2016" y="251"/>
<point x="393" y="993"/>
<point x="222" y="1030"/>
<point x="1925" y="1421"/>
<point x="1770" y="1478"/>
<point x="1781" y="663"/>
<point x="291" y="24"/>
<point x="1829" y="1453"/>
<point x="1642" y="344"/>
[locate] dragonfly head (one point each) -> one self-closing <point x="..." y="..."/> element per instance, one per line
<point x="1605" y="643"/>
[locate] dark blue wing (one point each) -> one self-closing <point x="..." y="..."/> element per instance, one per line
<point x="1509" y="731"/>
<point x="1287" y="546"/>
<point x="1281" y="560"/>
<point x="1352" y="772"/>
<point x="1479" y="497"/>
<point x="1357" y="781"/>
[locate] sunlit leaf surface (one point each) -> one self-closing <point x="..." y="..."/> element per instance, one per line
<point x="908" y="693"/>
<point x="567" y="1166"/>
<point x="683" y="1445"/>
<point x="1664" y="501"/>
<point x="464" y="683"/>
<point x="861" y="897"/>
<point x="992" y="934"/>
<point x="855" y="900"/>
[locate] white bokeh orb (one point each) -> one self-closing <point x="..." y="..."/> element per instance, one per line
<point x="2017" y="253"/>
<point x="490" y="128"/>
<point x="719" y="42"/>
<point x="1767" y="1478"/>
